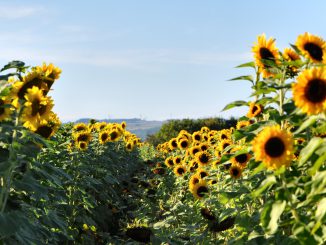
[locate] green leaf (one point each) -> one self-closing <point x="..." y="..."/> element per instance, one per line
<point x="319" y="162"/>
<point x="311" y="120"/>
<point x="306" y="152"/>
<point x="321" y="209"/>
<point x="13" y="64"/>
<point x="235" y="104"/>
<point x="271" y="214"/>
<point x="248" y="64"/>
<point x="269" y="181"/>
<point x="248" y="78"/>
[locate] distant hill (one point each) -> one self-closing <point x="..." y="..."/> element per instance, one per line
<point x="140" y="127"/>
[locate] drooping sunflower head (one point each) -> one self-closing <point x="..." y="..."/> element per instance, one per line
<point x="169" y="162"/>
<point x="200" y="189"/>
<point x="312" y="47"/>
<point x="265" y="51"/>
<point x="273" y="146"/>
<point x="173" y="144"/>
<point x="254" y="110"/>
<point x="309" y="91"/>
<point x="203" y="158"/>
<point x="235" y="171"/>
<point x="179" y="170"/>
<point x="204" y="129"/>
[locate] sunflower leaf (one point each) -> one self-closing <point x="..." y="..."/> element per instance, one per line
<point x="14" y="64"/>
<point x="271" y="214"/>
<point x="311" y="120"/>
<point x="248" y="64"/>
<point x="235" y="104"/>
<point x="248" y="78"/>
<point x="306" y="152"/>
<point x="319" y="162"/>
<point x="269" y="181"/>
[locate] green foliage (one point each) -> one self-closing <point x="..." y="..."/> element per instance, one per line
<point x="171" y="128"/>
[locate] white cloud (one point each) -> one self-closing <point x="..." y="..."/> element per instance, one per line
<point x="18" y="12"/>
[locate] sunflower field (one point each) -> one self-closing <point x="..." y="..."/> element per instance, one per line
<point x="260" y="182"/>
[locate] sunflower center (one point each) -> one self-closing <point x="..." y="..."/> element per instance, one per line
<point x="2" y="110"/>
<point x="82" y="137"/>
<point x="35" y="107"/>
<point x="194" y="151"/>
<point x="242" y="158"/>
<point x="315" y="91"/>
<point x="235" y="172"/>
<point x="114" y="135"/>
<point x="266" y="54"/>
<point x="204" y="147"/>
<point x="202" y="190"/>
<point x="203" y="158"/>
<point x="195" y="181"/>
<point x="177" y="160"/>
<point x="202" y="174"/>
<point x="224" y="136"/>
<point x="180" y="171"/>
<point x="174" y="143"/>
<point x="314" y="51"/>
<point x="197" y="137"/>
<point x="104" y="137"/>
<point x="274" y="147"/>
<point x="44" y="131"/>
<point x="170" y="162"/>
<point x="184" y="144"/>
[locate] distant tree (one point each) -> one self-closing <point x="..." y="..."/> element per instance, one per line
<point x="171" y="128"/>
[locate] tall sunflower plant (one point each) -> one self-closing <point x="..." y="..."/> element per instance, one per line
<point x="285" y="178"/>
<point x="26" y="121"/>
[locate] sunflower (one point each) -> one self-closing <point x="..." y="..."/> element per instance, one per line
<point x="193" y="166"/>
<point x="212" y="182"/>
<point x="183" y="144"/>
<point x="32" y="79"/>
<point x="180" y="170"/>
<point x="169" y="162"/>
<point x="36" y="108"/>
<point x="265" y="50"/>
<point x="130" y="146"/>
<point x="203" y="158"/>
<point x="50" y="71"/>
<point x="101" y="125"/>
<point x="240" y="159"/>
<point x="194" y="179"/>
<point x="312" y="47"/>
<point x="123" y="125"/>
<point x="84" y="136"/>
<point x="204" y="129"/>
<point x="5" y="110"/>
<point x="242" y="124"/>
<point x="177" y="160"/>
<point x="235" y="171"/>
<point x="173" y="144"/>
<point x="290" y="55"/>
<point x="224" y="144"/>
<point x="309" y="92"/>
<point x="212" y="140"/>
<point x="200" y="189"/>
<point x="82" y="145"/>
<point x="224" y="134"/>
<point x="273" y="146"/>
<point x="216" y="163"/>
<point x="80" y="127"/>
<point x="196" y="136"/>
<point x="193" y="150"/>
<point x="254" y="110"/>
<point x="204" y="146"/>
<point x="48" y="128"/>
<point x="114" y="135"/>
<point x="104" y="136"/>
<point x="201" y="173"/>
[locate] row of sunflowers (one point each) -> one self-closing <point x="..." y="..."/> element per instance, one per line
<point x="262" y="181"/>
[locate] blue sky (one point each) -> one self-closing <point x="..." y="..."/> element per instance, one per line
<point x="149" y="59"/>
